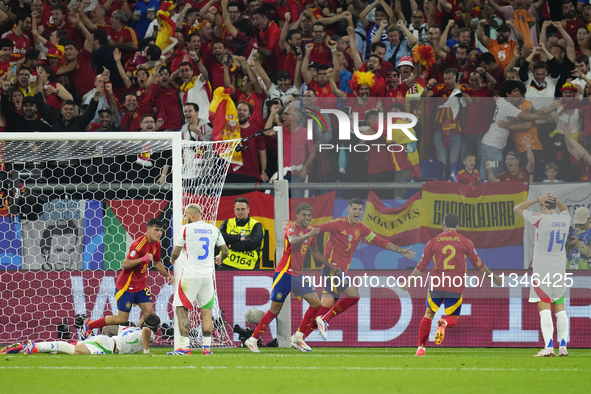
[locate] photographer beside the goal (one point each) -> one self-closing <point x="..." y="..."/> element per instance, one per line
<point x="197" y="243"/>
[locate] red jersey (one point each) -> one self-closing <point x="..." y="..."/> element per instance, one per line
<point x="126" y="34"/>
<point x="4" y="67"/>
<point x="343" y="240"/>
<point x="445" y="115"/>
<point x="292" y="261"/>
<point x="287" y="62"/>
<point x="521" y="176"/>
<point x="269" y="39"/>
<point x="21" y="44"/>
<point x="134" y="279"/>
<point x="290" y="6"/>
<point x="321" y="54"/>
<point x="478" y="113"/>
<point x="321" y="91"/>
<point x="250" y="157"/>
<point x="257" y="101"/>
<point x="463" y="71"/>
<point x="83" y="76"/>
<point x="466" y="178"/>
<point x="449" y="250"/>
<point x="585" y="170"/>
<point x="216" y="74"/>
<point x="169" y="108"/>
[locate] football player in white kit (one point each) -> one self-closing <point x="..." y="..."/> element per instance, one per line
<point x="128" y="340"/>
<point x="549" y="267"/>
<point x="196" y="243"/>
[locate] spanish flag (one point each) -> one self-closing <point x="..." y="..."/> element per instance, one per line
<point x="410" y="151"/>
<point x="223" y="116"/>
<point x="165" y="39"/>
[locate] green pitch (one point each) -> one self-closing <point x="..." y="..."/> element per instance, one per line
<point x="342" y="370"/>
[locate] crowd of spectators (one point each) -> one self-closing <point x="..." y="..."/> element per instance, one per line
<point x="518" y="68"/>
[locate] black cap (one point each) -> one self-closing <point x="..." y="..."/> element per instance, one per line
<point x="504" y="28"/>
<point x="104" y="109"/>
<point x="29" y="100"/>
<point x="512" y="153"/>
<point x="314" y="65"/>
<point x="283" y="75"/>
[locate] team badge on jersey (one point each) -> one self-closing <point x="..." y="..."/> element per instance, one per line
<point x="279" y="296"/>
<point x="128" y="305"/>
<point x="356" y="234"/>
<point x="133" y="253"/>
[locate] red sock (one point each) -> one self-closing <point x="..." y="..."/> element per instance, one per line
<point x="451" y="321"/>
<point x="98" y="323"/>
<point x="424" y="330"/>
<point x="263" y="324"/>
<point x="308" y="319"/>
<point x="341" y="306"/>
<point x="321" y="311"/>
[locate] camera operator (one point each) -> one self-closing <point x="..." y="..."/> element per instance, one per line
<point x="578" y="250"/>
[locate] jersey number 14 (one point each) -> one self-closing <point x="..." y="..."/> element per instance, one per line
<point x="556" y="239"/>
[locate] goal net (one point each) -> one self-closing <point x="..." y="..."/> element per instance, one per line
<point x="72" y="204"/>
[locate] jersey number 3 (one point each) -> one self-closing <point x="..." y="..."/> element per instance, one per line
<point x="558" y="240"/>
<point x="205" y="246"/>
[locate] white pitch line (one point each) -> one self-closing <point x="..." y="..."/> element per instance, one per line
<point x="300" y="368"/>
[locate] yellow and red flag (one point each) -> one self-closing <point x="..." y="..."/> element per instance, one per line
<point x="166" y="39"/>
<point x="223" y="116"/>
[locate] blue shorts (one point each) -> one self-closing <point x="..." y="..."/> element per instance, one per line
<point x="342" y="282"/>
<point x="283" y="283"/>
<point x="451" y="301"/>
<point x="125" y="299"/>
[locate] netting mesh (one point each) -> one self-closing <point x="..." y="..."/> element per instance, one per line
<point x="70" y="211"/>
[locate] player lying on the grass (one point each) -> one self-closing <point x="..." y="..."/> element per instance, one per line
<point x="298" y="239"/>
<point x="131" y="285"/>
<point x="448" y="250"/>
<point x="345" y="235"/>
<point x="197" y="242"/>
<point x="128" y="341"/>
<point x="549" y="266"/>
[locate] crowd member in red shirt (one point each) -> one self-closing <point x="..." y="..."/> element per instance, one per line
<point x="116" y="5"/>
<point x="53" y="91"/>
<point x="268" y="39"/>
<point x="131" y="287"/>
<point x="79" y="66"/>
<point x="97" y="19"/>
<point x="242" y="33"/>
<point x="254" y="154"/>
<point x="320" y="52"/>
<point x="292" y="7"/>
<point x="59" y="21"/>
<point x="5" y="54"/>
<point x="168" y="101"/>
<point x="290" y="47"/>
<point x="448" y="137"/>
<point x="493" y="70"/>
<point x="460" y="61"/>
<point x="215" y="68"/>
<point x="252" y="91"/>
<point x="320" y="85"/>
<point x="19" y="37"/>
<point x="122" y="37"/>
<point x="451" y="248"/>
<point x="469" y="176"/>
<point x="514" y="173"/>
<point x="580" y="154"/>
<point x="571" y="22"/>
<point x="478" y="113"/>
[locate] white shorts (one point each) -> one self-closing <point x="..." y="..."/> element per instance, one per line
<point x="190" y="290"/>
<point x="100" y="344"/>
<point x="546" y="293"/>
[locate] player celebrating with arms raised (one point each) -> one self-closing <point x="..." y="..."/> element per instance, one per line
<point x="197" y="241"/>
<point x="345" y="235"/>
<point x="448" y="250"/>
<point x="549" y="266"/>
<point x="288" y="277"/>
<point x="131" y="285"/>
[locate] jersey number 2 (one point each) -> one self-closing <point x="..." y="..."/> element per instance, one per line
<point x="557" y="239"/>
<point x="452" y="254"/>
<point x="205" y="246"/>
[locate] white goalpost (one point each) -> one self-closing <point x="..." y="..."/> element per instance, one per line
<point x="62" y="186"/>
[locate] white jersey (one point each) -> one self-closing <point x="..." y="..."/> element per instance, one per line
<point x="129" y="340"/>
<point x="198" y="241"/>
<point x="497" y="136"/>
<point x="549" y="260"/>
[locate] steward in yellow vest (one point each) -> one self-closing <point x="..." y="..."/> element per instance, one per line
<point x="244" y="237"/>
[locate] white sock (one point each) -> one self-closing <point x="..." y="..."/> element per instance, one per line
<point x="55" y="346"/>
<point x="206" y="342"/>
<point x="184" y="341"/>
<point x="562" y="327"/>
<point x="547" y="327"/>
